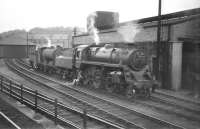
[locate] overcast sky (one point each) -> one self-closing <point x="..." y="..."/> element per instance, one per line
<point x="27" y="14"/>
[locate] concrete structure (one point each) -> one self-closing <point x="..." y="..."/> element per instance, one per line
<point x="177" y="30"/>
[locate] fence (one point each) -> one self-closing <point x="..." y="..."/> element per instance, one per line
<point x="40" y="102"/>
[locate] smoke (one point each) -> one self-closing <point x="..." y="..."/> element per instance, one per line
<point x="48" y="42"/>
<point x="92" y="29"/>
<point x="129" y="31"/>
<point x="36" y="47"/>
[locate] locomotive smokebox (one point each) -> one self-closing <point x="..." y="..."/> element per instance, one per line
<point x="137" y="60"/>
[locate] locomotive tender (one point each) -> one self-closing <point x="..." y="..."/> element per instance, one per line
<point x="118" y="68"/>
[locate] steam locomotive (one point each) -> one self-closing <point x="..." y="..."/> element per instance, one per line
<point x="116" y="68"/>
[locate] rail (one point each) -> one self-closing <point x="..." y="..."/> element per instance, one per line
<point x="32" y="98"/>
<point x="155" y="119"/>
<point x="126" y="123"/>
<point x="36" y="101"/>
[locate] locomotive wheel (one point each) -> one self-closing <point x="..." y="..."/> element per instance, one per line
<point x="35" y="66"/>
<point x="92" y="78"/>
<point x="97" y="79"/>
<point x="96" y="83"/>
<point x="130" y="92"/>
<point x="89" y="82"/>
<point x="148" y="92"/>
<point x="110" y="87"/>
<point x="88" y="77"/>
<point x="85" y="82"/>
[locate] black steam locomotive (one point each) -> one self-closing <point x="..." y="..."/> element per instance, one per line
<point x="119" y="68"/>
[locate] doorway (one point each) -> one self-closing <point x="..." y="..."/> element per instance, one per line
<point x="190" y="64"/>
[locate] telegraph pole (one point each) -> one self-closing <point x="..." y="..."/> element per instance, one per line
<point x="158" y="42"/>
<point x="73" y="35"/>
<point x="27" y="43"/>
<point x="74" y="52"/>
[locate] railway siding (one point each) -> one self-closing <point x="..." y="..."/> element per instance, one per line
<point x="161" y="104"/>
<point x="129" y="118"/>
<point x="52" y="107"/>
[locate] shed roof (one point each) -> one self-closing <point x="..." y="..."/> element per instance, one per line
<point x="172" y="18"/>
<point x="15" y="41"/>
<point x="175" y="15"/>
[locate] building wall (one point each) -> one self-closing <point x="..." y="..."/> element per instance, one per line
<point x="63" y="40"/>
<point x="108" y="37"/>
<point x="185" y="29"/>
<point x="148" y="34"/>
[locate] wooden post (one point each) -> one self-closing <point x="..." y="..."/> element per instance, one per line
<point x="21" y="92"/>
<point x="10" y="88"/>
<point x="55" y="111"/>
<point x="84" y="119"/>
<point x="27" y="44"/>
<point x="158" y="41"/>
<point x="36" y="97"/>
<point x="1" y="83"/>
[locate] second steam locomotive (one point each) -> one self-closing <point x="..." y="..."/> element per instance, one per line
<point x="119" y="68"/>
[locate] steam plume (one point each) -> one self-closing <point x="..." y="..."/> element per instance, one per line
<point x="36" y="47"/>
<point x="129" y="31"/>
<point x="93" y="29"/>
<point x="48" y="42"/>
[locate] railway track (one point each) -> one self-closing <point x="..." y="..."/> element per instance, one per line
<point x="184" y="103"/>
<point x="131" y="117"/>
<point x="67" y="114"/>
<point x="28" y="97"/>
<point x="162" y="104"/>
<point x="169" y="104"/>
<point x="12" y="118"/>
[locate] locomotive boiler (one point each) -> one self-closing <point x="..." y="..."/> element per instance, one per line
<point x="48" y="56"/>
<point x="132" y="57"/>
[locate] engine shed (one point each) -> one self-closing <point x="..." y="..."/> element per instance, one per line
<point x="18" y="50"/>
<point x="179" y="47"/>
